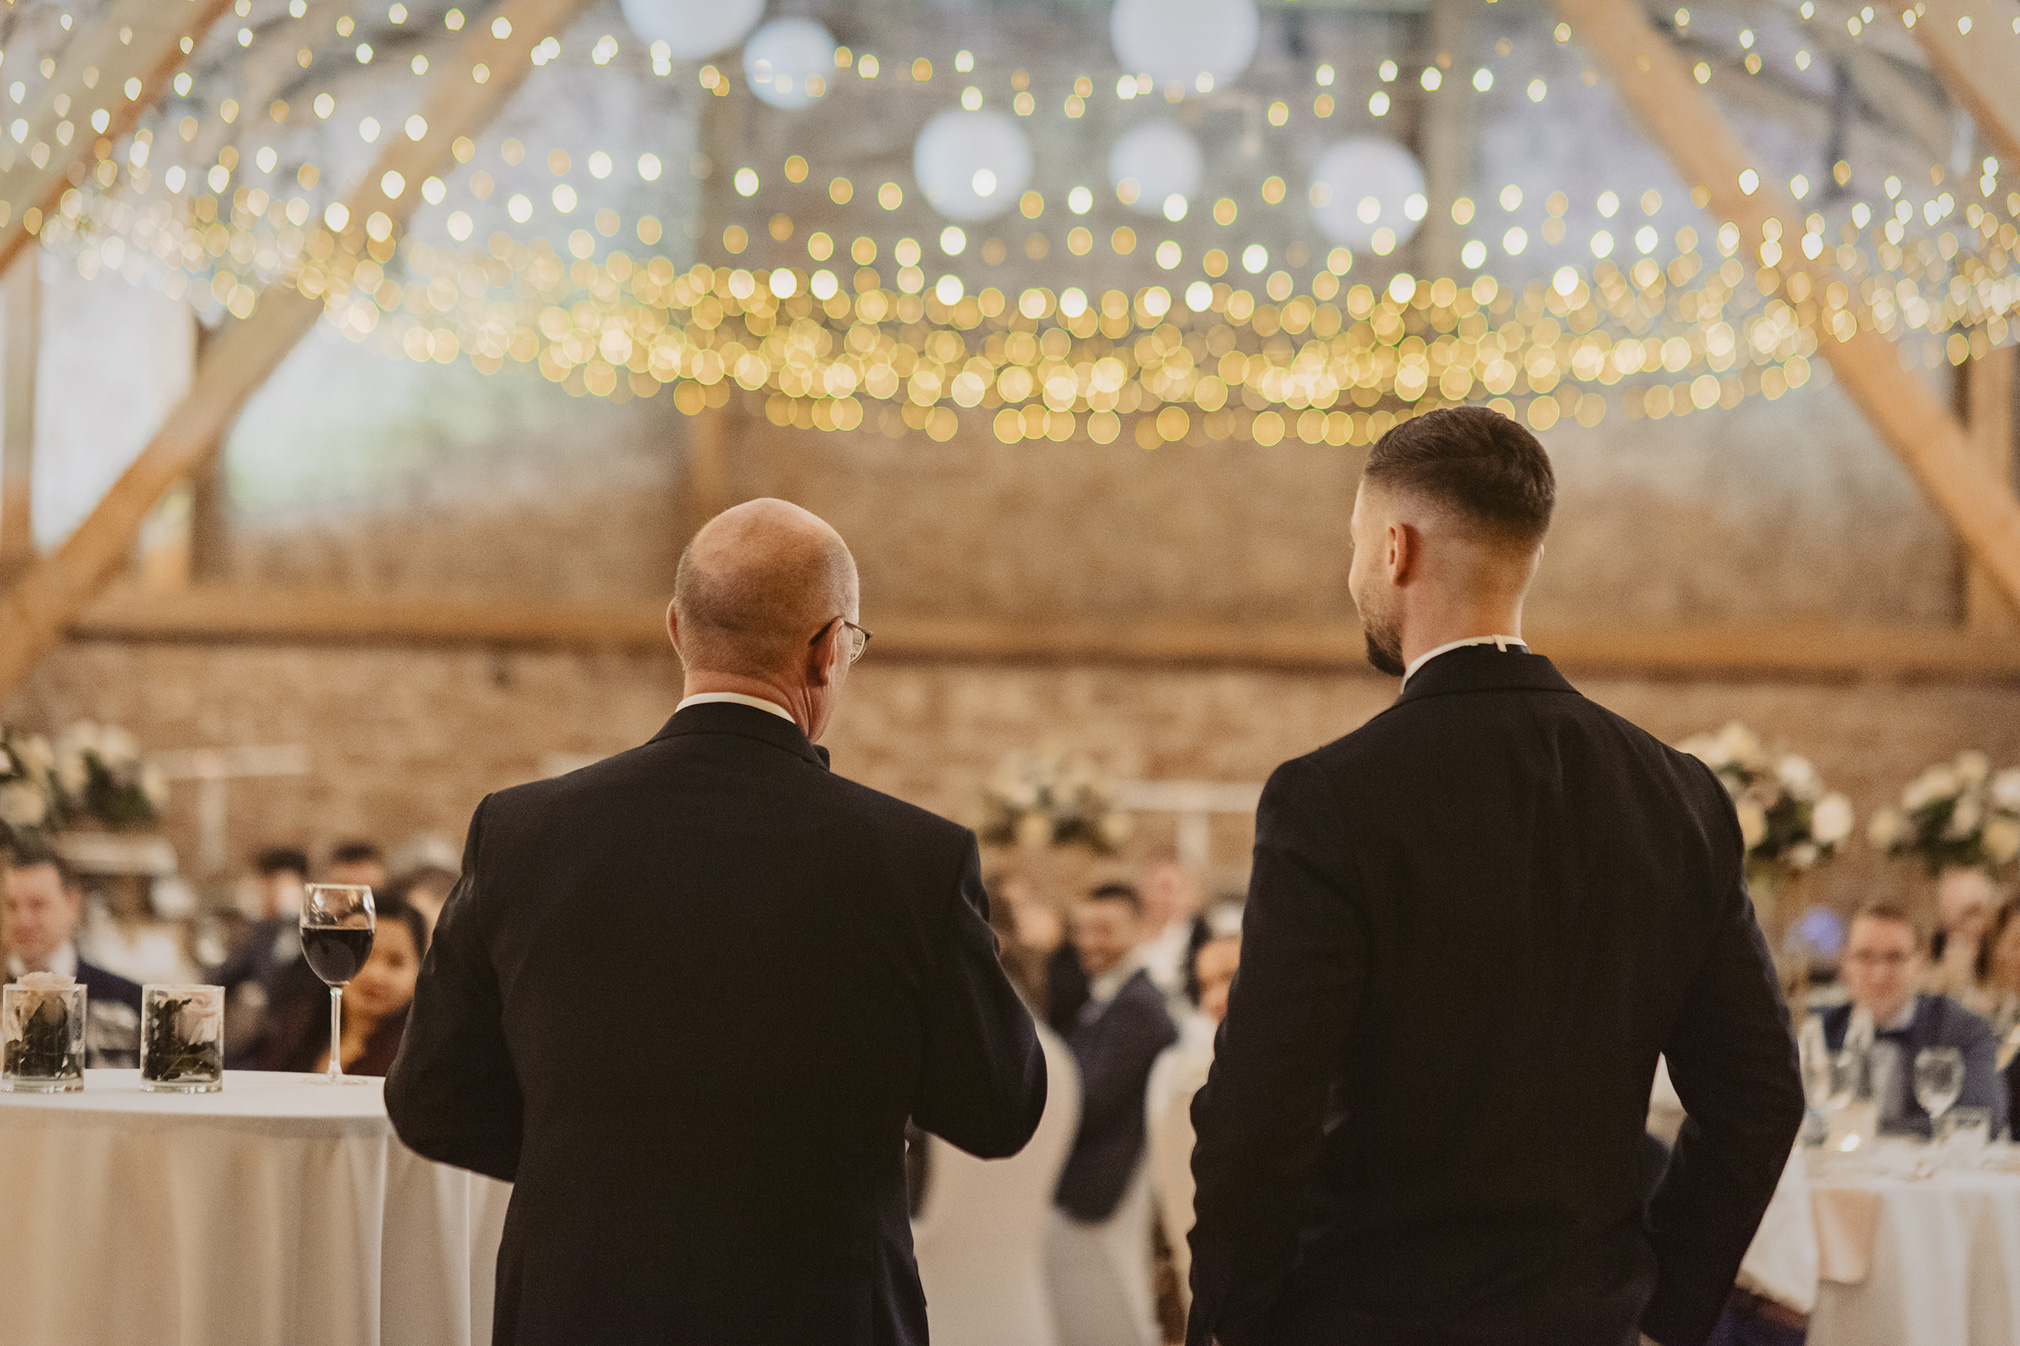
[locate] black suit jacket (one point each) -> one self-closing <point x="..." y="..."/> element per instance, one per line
<point x="687" y="998"/>
<point x="1115" y="1046"/>
<point x="1473" y="925"/>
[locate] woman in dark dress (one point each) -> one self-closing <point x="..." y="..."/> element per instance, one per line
<point x="376" y="1001"/>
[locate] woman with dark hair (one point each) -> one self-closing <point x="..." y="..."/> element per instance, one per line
<point x="1999" y="971"/>
<point x="375" y="1006"/>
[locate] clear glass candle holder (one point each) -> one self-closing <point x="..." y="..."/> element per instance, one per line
<point x="41" y="1038"/>
<point x="181" y="1039"/>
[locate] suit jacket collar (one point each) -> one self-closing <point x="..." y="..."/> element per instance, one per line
<point x="726" y="717"/>
<point x="1482" y="668"/>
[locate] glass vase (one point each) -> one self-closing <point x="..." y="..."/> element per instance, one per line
<point x="41" y="1038"/>
<point x="182" y="1039"/>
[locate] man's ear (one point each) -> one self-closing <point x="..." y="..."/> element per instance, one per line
<point x="1405" y="543"/>
<point x="673" y="627"/>
<point x="821" y="656"/>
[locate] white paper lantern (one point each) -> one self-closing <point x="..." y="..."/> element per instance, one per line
<point x="692" y="29"/>
<point x="1364" y="184"/>
<point x="789" y="62"/>
<point x="1161" y="159"/>
<point x="972" y="165"/>
<point x="1180" y="40"/>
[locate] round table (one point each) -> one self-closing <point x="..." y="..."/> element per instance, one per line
<point x="275" y="1211"/>
<point x="1907" y="1261"/>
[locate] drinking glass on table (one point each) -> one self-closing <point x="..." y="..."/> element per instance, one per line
<point x="1939" y="1081"/>
<point x="337" y="924"/>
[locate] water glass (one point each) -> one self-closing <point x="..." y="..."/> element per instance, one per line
<point x="182" y="1039"/>
<point x="1939" y="1080"/>
<point x="42" y="1037"/>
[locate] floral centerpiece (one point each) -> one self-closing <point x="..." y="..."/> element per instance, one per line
<point x="1052" y="799"/>
<point x="30" y="801"/>
<point x="1957" y="814"/>
<point x="104" y="779"/>
<point x="1788" y="819"/>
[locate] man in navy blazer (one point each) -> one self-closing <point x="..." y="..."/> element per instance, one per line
<point x="41" y="903"/>
<point x="1473" y="926"/>
<point x="687" y="998"/>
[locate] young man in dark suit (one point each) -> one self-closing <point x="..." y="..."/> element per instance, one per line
<point x="687" y="998"/>
<point x="1116" y="1038"/>
<point x="1473" y="925"/>
<point x="41" y="904"/>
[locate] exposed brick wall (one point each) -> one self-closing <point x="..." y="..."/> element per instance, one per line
<point x="406" y="740"/>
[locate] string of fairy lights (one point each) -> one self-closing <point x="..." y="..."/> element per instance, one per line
<point x="860" y="334"/>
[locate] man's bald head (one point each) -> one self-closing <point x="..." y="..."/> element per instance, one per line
<point x="756" y="585"/>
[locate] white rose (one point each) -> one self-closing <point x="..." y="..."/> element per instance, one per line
<point x="1753" y="823"/>
<point x="1973" y="766"/>
<point x="2001" y="840"/>
<point x="43" y="982"/>
<point x="1741" y="744"/>
<point x="1034" y="830"/>
<point x="1798" y="776"/>
<point x="1116" y="828"/>
<point x="1705" y="748"/>
<point x="1938" y="782"/>
<point x="154" y="785"/>
<point x="73" y="773"/>
<point x="2006" y="789"/>
<point x="1802" y="855"/>
<point x="117" y="747"/>
<point x="38" y="753"/>
<point x="1885" y="829"/>
<point x="1831" y="819"/>
<point x="22" y="805"/>
<point x="1966" y="816"/>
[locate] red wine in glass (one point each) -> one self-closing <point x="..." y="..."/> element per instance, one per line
<point x="337" y="923"/>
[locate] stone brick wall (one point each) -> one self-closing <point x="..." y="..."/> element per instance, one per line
<point x="407" y="741"/>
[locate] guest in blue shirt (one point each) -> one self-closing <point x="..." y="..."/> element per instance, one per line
<point x="1882" y="966"/>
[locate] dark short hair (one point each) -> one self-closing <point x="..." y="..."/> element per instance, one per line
<point x="1895" y="914"/>
<point x="1118" y="892"/>
<point x="1475" y="462"/>
<point x="281" y="860"/>
<point x="2000" y="920"/>
<point x="34" y="855"/>
<point x="356" y="853"/>
<point x="399" y="913"/>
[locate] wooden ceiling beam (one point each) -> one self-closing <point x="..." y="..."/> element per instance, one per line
<point x="47" y="595"/>
<point x="1974" y="48"/>
<point x="143" y="40"/>
<point x="1655" y="80"/>
<point x="347" y="618"/>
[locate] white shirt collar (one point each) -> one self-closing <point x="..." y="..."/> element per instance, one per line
<point x="734" y="699"/>
<point x="1905" y="1020"/>
<point x="63" y="962"/>
<point x="1500" y="642"/>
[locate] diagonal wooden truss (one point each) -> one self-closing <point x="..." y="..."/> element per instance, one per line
<point x="1953" y="471"/>
<point x="51" y="590"/>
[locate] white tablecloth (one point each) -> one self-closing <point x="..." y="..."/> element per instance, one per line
<point x="275" y="1213"/>
<point x="1917" y="1262"/>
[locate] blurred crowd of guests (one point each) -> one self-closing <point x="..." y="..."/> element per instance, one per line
<point x="105" y="931"/>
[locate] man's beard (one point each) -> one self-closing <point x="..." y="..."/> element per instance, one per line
<point x="1385" y="647"/>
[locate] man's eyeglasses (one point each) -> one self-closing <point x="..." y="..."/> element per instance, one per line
<point x="859" y="637"/>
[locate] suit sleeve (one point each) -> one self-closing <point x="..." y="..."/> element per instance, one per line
<point x="1260" y="1117"/>
<point x="452" y="1092"/>
<point x="982" y="1080"/>
<point x="1984" y="1086"/>
<point x="1732" y="1057"/>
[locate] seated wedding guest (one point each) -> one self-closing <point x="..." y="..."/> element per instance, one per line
<point x="357" y="862"/>
<point x="41" y="904"/>
<point x="375" y="1006"/>
<point x="425" y="890"/>
<point x="274" y="939"/>
<point x="1965" y="901"/>
<point x="1882" y="966"/>
<point x="1999" y="974"/>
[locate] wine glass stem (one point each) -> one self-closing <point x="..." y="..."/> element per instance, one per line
<point x="336" y="1035"/>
